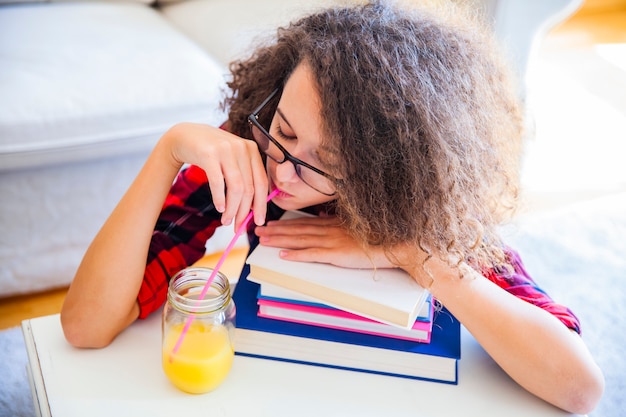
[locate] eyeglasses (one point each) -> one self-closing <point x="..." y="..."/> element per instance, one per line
<point x="311" y="176"/>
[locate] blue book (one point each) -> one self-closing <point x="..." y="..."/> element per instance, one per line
<point x="293" y="342"/>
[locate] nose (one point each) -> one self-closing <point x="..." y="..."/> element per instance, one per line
<point x="285" y="171"/>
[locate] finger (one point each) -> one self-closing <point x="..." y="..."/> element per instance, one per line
<point x="244" y="209"/>
<point x="234" y="188"/>
<point x="216" y="186"/>
<point x="291" y="229"/>
<point x="296" y="241"/>
<point x="248" y="192"/>
<point x="260" y="186"/>
<point x="303" y="255"/>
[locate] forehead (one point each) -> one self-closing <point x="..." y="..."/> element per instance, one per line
<point x="300" y="106"/>
<point x="300" y="93"/>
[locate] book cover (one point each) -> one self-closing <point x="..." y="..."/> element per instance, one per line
<point x="339" y="319"/>
<point x="387" y="295"/>
<point x="293" y="342"/>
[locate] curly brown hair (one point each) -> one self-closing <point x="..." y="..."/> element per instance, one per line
<point x="422" y="113"/>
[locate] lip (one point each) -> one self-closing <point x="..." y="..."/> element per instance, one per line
<point x="281" y="193"/>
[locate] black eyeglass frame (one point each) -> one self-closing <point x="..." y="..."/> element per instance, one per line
<point x="253" y="120"/>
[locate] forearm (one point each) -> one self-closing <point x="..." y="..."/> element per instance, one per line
<point x="530" y="344"/>
<point x="101" y="301"/>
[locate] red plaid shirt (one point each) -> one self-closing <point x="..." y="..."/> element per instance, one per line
<point x="189" y="219"/>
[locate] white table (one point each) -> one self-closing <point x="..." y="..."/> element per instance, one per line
<point x="125" y="379"/>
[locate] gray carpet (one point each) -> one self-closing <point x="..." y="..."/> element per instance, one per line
<point x="578" y="255"/>
<point x="15" y="397"/>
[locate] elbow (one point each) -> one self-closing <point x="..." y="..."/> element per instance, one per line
<point x="91" y="326"/>
<point x="586" y="394"/>
<point x="82" y="333"/>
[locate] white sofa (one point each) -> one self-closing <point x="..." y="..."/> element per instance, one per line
<point x="87" y="87"/>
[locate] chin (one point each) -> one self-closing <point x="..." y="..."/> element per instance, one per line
<point x="288" y="204"/>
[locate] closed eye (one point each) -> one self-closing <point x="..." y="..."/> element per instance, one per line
<point x="280" y="121"/>
<point x="282" y="135"/>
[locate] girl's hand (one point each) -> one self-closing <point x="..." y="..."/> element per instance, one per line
<point x="324" y="240"/>
<point x="320" y="239"/>
<point x="234" y="168"/>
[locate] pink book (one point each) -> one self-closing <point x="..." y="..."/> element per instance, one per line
<point x="341" y="320"/>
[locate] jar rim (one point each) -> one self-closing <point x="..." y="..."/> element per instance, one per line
<point x="186" y="286"/>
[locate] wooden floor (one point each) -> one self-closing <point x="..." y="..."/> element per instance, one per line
<point x="15" y="309"/>
<point x="574" y="39"/>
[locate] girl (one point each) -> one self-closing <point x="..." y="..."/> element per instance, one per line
<point x="402" y="129"/>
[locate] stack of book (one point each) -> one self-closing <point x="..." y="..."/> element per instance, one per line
<point x="379" y="321"/>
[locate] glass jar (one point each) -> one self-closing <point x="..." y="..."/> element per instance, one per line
<point x="197" y="334"/>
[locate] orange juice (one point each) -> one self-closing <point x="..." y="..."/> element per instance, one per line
<point x="203" y="360"/>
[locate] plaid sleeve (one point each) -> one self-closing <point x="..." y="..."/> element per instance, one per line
<point x="520" y="284"/>
<point x="188" y="219"/>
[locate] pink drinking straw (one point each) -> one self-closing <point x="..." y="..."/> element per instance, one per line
<point x="216" y="269"/>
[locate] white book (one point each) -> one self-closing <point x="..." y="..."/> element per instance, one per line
<point x="388" y="295"/>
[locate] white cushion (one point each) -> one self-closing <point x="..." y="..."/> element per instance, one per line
<point x="227" y="29"/>
<point x="19" y="1"/>
<point x="49" y="215"/>
<point x="84" y="80"/>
